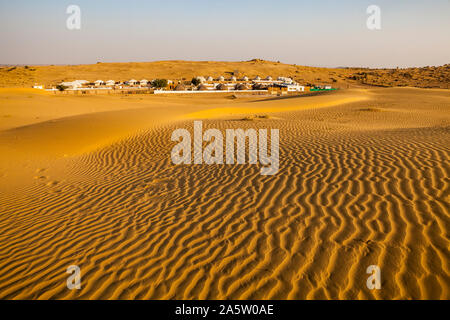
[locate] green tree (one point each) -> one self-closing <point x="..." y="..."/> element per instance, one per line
<point x="195" y="81"/>
<point x="159" y="83"/>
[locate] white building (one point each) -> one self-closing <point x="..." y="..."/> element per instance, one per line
<point x="74" y="84"/>
<point x="208" y="86"/>
<point x="132" y="82"/>
<point x="110" y="83"/>
<point x="210" y="79"/>
<point x="285" y="79"/>
<point x="201" y="79"/>
<point x="233" y="78"/>
<point x="221" y="78"/>
<point x="71" y="84"/>
<point x="98" y="83"/>
<point x="143" y="82"/>
<point x="293" y="87"/>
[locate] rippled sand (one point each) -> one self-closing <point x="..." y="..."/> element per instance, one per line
<point x="363" y="180"/>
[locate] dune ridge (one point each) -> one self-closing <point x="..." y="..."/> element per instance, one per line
<point x="355" y="188"/>
<point x="423" y="77"/>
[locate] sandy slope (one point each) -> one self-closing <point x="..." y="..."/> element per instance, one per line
<point x="364" y="179"/>
<point x="25" y="76"/>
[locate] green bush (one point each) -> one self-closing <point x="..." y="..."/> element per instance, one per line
<point x="60" y="87"/>
<point x="159" y="83"/>
<point x="195" y="81"/>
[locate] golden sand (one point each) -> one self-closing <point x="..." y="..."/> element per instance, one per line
<point x="363" y="180"/>
<point x="27" y="76"/>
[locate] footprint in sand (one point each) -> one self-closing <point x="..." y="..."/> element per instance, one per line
<point x="52" y="183"/>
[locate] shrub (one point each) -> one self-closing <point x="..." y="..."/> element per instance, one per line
<point x="159" y="83"/>
<point x="195" y="81"/>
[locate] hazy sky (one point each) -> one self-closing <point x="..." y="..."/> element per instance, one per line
<point x="315" y="33"/>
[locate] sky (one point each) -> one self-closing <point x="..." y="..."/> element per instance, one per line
<point x="314" y="33"/>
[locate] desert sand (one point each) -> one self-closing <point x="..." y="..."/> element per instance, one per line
<point x="88" y="181"/>
<point x="424" y="77"/>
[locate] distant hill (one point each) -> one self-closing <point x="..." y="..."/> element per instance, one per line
<point x="26" y="76"/>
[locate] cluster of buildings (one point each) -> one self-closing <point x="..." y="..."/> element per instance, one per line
<point x="99" y="84"/>
<point x="281" y="85"/>
<point x="243" y="84"/>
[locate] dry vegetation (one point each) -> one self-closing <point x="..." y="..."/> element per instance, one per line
<point x="26" y="76"/>
<point x="426" y="77"/>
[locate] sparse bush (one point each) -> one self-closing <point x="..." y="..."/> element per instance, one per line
<point x="159" y="83"/>
<point x="195" y="81"/>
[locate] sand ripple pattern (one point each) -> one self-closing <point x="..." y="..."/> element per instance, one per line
<point x="141" y="228"/>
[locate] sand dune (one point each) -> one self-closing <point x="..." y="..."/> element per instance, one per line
<point x="27" y="76"/>
<point x="363" y="179"/>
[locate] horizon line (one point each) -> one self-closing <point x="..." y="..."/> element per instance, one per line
<point x="229" y="61"/>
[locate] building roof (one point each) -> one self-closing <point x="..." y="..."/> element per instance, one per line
<point x="180" y="87"/>
<point x="71" y="84"/>
<point x="241" y="86"/>
<point x="221" y="86"/>
<point x="259" y="86"/>
<point x="202" y="87"/>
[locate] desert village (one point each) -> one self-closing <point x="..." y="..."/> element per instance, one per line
<point x="199" y="84"/>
